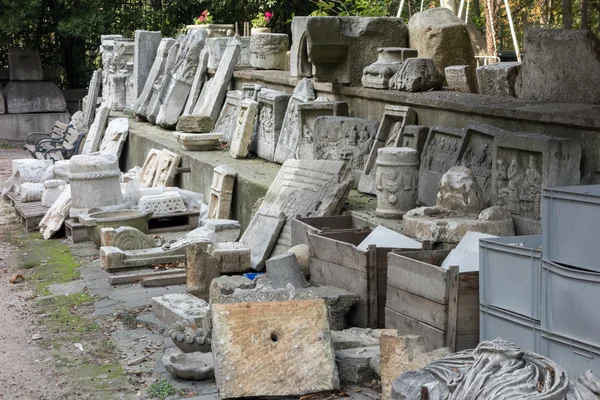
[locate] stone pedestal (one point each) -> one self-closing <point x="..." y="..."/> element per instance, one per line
<point x="397" y="177"/>
<point x="267" y="50"/>
<point x="378" y="74"/>
<point x="95" y="183"/>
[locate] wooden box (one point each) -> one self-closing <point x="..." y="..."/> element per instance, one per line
<point x="423" y="299"/>
<point x="301" y="227"/>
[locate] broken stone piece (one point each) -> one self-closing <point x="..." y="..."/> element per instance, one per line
<point x="173" y="307"/>
<point x="31" y="192"/>
<point x="302" y="253"/>
<point x="228" y="116"/>
<point x="396" y="181"/>
<point x="417" y="75"/>
<point x="56" y="214"/>
<point x="194" y="124"/>
<point x="201" y="267"/>
<point x="190" y="337"/>
<point x="225" y="285"/>
<point x="352" y="338"/>
<point x="389" y="59"/>
<point x="285" y="269"/>
<point x="198" y="141"/>
<point x="292" y="339"/>
<point x="115" y="136"/>
<point x="96" y="130"/>
<point x="460" y="78"/>
<point x="354" y="365"/>
<point x="217" y="230"/>
<point x="460" y="192"/>
<point x="244" y="128"/>
<point x="52" y="190"/>
<point x="498" y="79"/>
<point x="267" y="50"/>
<point x="126" y="238"/>
<point x="165" y="203"/>
<point x="221" y="192"/>
<point x="195" y="366"/>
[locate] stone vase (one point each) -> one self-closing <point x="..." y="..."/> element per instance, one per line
<point x="396" y="181"/>
<point x="215" y="30"/>
<point x="254" y="31"/>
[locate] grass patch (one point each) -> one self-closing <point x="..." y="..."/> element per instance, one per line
<point x="161" y="389"/>
<point x="59" y="314"/>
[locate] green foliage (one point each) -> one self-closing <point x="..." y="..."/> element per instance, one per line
<point x="161" y="389"/>
<point x="362" y="8"/>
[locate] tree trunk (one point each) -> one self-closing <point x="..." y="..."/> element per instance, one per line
<point x="491" y="26"/>
<point x="584" y="15"/>
<point x="567" y="15"/>
<point x="476" y="9"/>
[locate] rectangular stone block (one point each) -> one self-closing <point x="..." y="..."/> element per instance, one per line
<point x="227" y="118"/>
<point x="273" y="349"/>
<point x="174" y="307"/>
<point x="146" y="46"/>
<point x="244" y="128"/>
<point x="33" y="97"/>
<point x="498" y="79"/>
<point x="25" y="65"/>
<point x="460" y="78"/>
<point x="271" y="112"/>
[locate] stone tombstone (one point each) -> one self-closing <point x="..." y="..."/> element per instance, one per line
<point x="96" y="131"/>
<point x="345" y="139"/>
<point x="155" y="73"/>
<point x="439" y="155"/>
<point x="476" y="153"/>
<point x="145" y="50"/>
<point x="291" y="338"/>
<point x="166" y="168"/>
<point x="149" y="169"/>
<point x="555" y="66"/>
<point x="221" y="192"/>
<point x="201" y="268"/>
<point x="24" y="65"/>
<point x="271" y="112"/>
<point x="244" y="128"/>
<point x="153" y="107"/>
<point x="341" y="47"/>
<point x="226" y="122"/>
<point x="303" y="92"/>
<point x="524" y="164"/>
<point x="175" y="93"/>
<point x="498" y="79"/>
<point x="115" y="136"/>
<point x="389" y="59"/>
<point x="250" y="91"/>
<point x="211" y="105"/>
<point x="396" y="181"/>
<point x="440" y="35"/>
<point x="300" y="66"/>
<point x="198" y="83"/>
<point x="417" y="75"/>
<point x="218" y="46"/>
<point x="393" y="123"/>
<point x="24" y="97"/>
<point x="267" y="50"/>
<point x="169" y="202"/>
<point x="460" y="78"/>
<point x="95" y="183"/>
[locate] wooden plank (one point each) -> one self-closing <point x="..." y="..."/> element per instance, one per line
<point x="417" y="307"/>
<point x="469" y="281"/>
<point x="452" y="310"/>
<point x="337" y="252"/>
<point x="372" y="285"/>
<point x="132" y="278"/>
<point x="464" y="342"/>
<point x="409" y="326"/>
<point x="353" y="236"/>
<point x="177" y="279"/>
<point x="468" y="312"/>
<point x="434" y="257"/>
<point x="417" y="277"/>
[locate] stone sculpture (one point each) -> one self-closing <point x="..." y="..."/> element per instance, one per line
<point x="107" y="51"/>
<point x="396" y="181"/>
<point x="191" y="337"/>
<point x="119" y="75"/>
<point x="267" y="50"/>
<point x="389" y="59"/>
<point x="56" y="214"/>
<point x="227" y="118"/>
<point x="148" y="172"/>
<point x="417" y="75"/>
<point x="221" y="192"/>
<point x="166" y="168"/>
<point x="244" y="128"/>
<point x="115" y="136"/>
<point x="272" y="105"/>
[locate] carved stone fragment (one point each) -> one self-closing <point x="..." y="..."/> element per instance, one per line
<point x="244" y="128"/>
<point x="460" y="78"/>
<point x="227" y="118"/>
<point x="166" y="168"/>
<point x="52" y="190"/>
<point x="221" y="192"/>
<point x="165" y="203"/>
<point x="417" y="75"/>
<point x="198" y="141"/>
<point x="126" y="238"/>
<point x="115" y="136"/>
<point x="389" y="59"/>
<point x="272" y="105"/>
<point x="397" y="181"/>
<point x="31" y="192"/>
<point x="96" y="130"/>
<point x="267" y="50"/>
<point x="56" y="215"/>
<point x="201" y="268"/>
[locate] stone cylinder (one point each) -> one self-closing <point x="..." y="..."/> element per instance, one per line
<point x="201" y="267"/>
<point x="95" y="183"/>
<point x="52" y="189"/>
<point x="397" y="181"/>
<point x="267" y="50"/>
<point x="31" y="192"/>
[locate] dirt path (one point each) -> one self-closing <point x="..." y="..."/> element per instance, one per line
<point x="25" y="371"/>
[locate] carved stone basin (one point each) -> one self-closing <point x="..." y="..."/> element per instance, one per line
<point x="114" y="219"/>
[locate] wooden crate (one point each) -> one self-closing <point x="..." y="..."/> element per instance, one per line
<point x="336" y="261"/>
<point x="423" y="299"/>
<point x="301" y="227"/>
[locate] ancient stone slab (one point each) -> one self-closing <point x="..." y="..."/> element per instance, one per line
<point x="341" y="47"/>
<point x="285" y="269"/>
<point x="126" y="238"/>
<point x="416" y="75"/>
<point x="31" y="192"/>
<point x="221" y="192"/>
<point x="397" y="356"/>
<point x="173" y="307"/>
<point x="272" y="105"/>
<point x="94" y="182"/>
<point x="228" y="116"/>
<point x="292" y="338"/>
<point x="210" y="105"/>
<point x="33" y="97"/>
<point x="524" y="164"/>
<point x="194" y="124"/>
<point x="148" y="172"/>
<point x="166" y="203"/>
<point x="217" y="230"/>
<point x="166" y="168"/>
<point x="198" y="141"/>
<point x="160" y="85"/>
<point x="156" y="73"/>
<point x="201" y="268"/>
<point x="174" y="94"/>
<point x="115" y="136"/>
<point x="24" y="65"/>
<point x="217" y="47"/>
<point x="438" y="156"/>
<point x="476" y="152"/>
<point x="52" y="191"/>
<point x="414" y="136"/>
<point x="460" y="78"/>
<point x="267" y="50"/>
<point x="396" y="181"/>
<point x="389" y="134"/>
<point x="344" y="139"/>
<point x="440" y="35"/>
<point x="146" y="47"/>
<point x="195" y="366"/>
<point x="28" y="170"/>
<point x="225" y="285"/>
<point x="300" y="66"/>
<point x="244" y="128"/>
<point x="262" y="233"/>
<point x="550" y="72"/>
<point x="354" y="365"/>
<point x="198" y="83"/>
<point x="378" y="74"/>
<point x="56" y="215"/>
<point x="96" y="130"/>
<point x="498" y="79"/>
<point x="250" y="91"/>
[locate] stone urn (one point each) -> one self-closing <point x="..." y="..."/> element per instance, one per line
<point x="254" y="31"/>
<point x="215" y="30"/>
<point x="114" y="219"/>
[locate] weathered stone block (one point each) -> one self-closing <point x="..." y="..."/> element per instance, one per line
<point x="267" y="50"/>
<point x="354" y="365"/>
<point x="228" y="117"/>
<point x="416" y="75"/>
<point x="194" y="124"/>
<point x="292" y="340"/>
<point x="226" y="285"/>
<point x="378" y="74"/>
<point x="33" y="97"/>
<point x="244" y="128"/>
<point x="221" y="192"/>
<point x="498" y="79"/>
<point x="460" y="78"/>
<point x="173" y="307"/>
<point x="398" y="354"/>
<point x="25" y="65"/>
<point x="272" y="105"/>
<point x="198" y="141"/>
<point x="201" y="268"/>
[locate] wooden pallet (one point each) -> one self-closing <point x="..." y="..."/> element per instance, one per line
<point x="177" y="222"/>
<point x="30" y="213"/>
